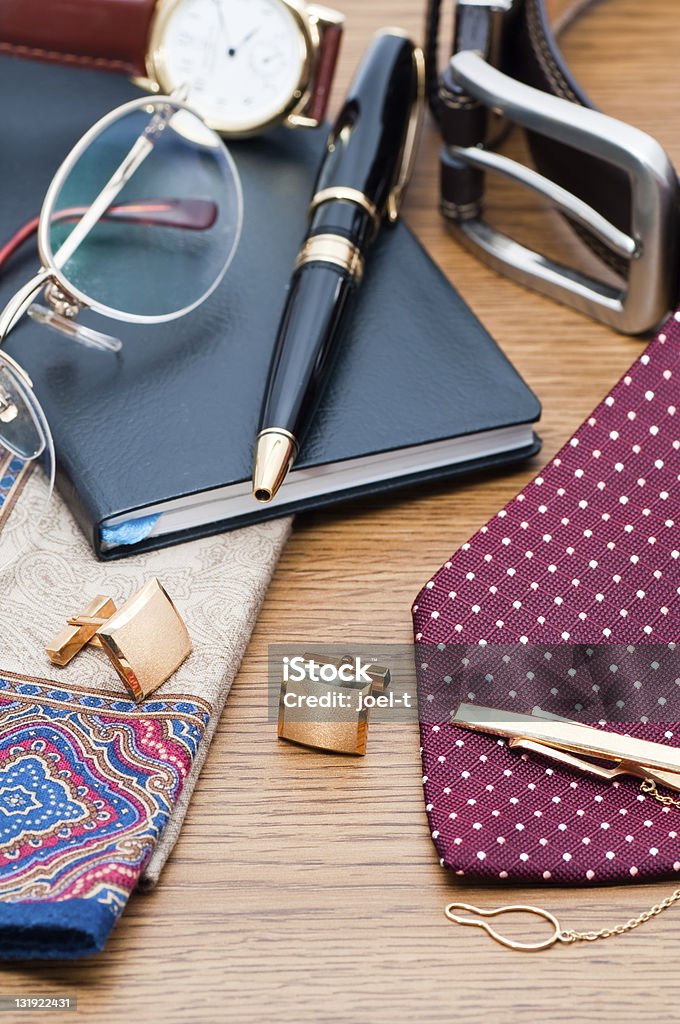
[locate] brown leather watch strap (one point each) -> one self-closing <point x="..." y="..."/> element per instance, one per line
<point x="108" y="34"/>
<point x="329" y="50"/>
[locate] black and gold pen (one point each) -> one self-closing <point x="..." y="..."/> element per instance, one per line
<point x="366" y="167"/>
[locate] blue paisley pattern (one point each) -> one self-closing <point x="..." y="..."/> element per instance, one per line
<point x="87" y="783"/>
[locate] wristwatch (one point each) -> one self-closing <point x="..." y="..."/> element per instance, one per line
<point x="247" y="65"/>
<point x="614" y="184"/>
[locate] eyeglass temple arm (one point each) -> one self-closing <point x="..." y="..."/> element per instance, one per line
<point x="18" y="305"/>
<point x="188" y="214"/>
<point x="141" y="149"/>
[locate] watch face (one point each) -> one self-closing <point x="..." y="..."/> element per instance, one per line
<point x="241" y="60"/>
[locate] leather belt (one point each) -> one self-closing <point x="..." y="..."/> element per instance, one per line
<point x="614" y="184"/>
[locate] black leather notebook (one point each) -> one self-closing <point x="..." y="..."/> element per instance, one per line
<point x="164" y="432"/>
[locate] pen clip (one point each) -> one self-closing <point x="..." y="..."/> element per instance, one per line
<point x="411" y="139"/>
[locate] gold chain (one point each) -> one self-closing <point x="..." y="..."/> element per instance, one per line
<point x="650" y="788"/>
<point x="621" y="929"/>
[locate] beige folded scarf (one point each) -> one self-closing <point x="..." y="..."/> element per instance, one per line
<point x="217" y="583"/>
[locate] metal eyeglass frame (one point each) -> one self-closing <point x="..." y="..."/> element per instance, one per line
<point x="69" y="298"/>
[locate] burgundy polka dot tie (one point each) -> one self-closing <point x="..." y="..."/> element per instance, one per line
<point x="587" y="554"/>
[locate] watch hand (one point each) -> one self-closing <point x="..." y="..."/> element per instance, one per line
<point x="233" y="50"/>
<point x="222" y="21"/>
<point x="250" y="35"/>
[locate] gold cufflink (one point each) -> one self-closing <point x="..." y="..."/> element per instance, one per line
<point x="329" y="716"/>
<point x="146" y="639"/>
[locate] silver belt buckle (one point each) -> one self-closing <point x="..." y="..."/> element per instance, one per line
<point x="651" y="249"/>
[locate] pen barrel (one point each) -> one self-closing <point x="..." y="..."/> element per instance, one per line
<point x="345" y="218"/>
<point x="362" y="177"/>
<point x="366" y="147"/>
<point x="316" y="305"/>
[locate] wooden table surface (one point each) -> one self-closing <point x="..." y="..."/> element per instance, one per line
<point x="305" y="887"/>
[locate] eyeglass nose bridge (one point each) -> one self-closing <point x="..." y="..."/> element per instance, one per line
<point x="61" y="314"/>
<point x="67" y="324"/>
<point x="61" y="302"/>
<point x="651" y="248"/>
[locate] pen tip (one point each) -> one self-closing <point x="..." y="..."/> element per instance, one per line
<point x="275" y="453"/>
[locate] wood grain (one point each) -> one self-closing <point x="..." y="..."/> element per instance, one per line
<point x="305" y="887"/>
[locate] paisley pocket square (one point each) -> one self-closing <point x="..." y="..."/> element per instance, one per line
<point x="93" y="786"/>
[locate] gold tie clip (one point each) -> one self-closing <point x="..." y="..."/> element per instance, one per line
<point x="563" y="741"/>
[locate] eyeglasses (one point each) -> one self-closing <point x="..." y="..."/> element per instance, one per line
<point x="140" y="224"/>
